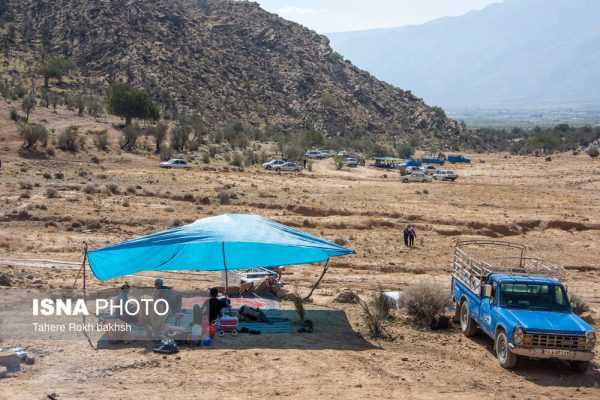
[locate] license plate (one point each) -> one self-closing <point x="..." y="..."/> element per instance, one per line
<point x="553" y="352"/>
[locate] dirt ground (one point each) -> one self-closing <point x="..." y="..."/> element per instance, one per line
<point x="550" y="206"/>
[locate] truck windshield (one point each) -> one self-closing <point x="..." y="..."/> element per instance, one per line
<point x="533" y="296"/>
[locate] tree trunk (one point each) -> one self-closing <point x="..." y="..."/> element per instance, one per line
<point x="127" y="121"/>
<point x="27" y="117"/>
<point x="46" y="81"/>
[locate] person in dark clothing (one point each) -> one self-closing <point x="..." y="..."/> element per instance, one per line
<point x="305" y="161"/>
<point x="215" y="306"/>
<point x="406" y="232"/>
<point x="411" y="236"/>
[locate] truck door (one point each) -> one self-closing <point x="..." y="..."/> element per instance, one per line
<point x="487" y="315"/>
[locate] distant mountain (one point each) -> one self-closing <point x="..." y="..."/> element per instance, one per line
<point x="534" y="53"/>
<point x="227" y="60"/>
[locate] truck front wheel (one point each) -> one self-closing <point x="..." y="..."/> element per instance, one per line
<point x="467" y="325"/>
<point x="506" y="359"/>
<point x="580" y="366"/>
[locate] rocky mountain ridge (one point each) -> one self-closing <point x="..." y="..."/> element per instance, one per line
<point x="230" y="60"/>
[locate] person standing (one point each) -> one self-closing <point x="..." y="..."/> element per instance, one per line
<point x="411" y="236"/>
<point x="305" y="162"/>
<point x="406" y="233"/>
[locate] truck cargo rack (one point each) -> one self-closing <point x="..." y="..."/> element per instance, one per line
<point x="472" y="271"/>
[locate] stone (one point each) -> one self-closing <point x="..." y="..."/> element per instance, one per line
<point x="345" y="297"/>
<point x="30" y="360"/>
<point x="4" y="280"/>
<point x="3" y="372"/>
<point x="9" y="359"/>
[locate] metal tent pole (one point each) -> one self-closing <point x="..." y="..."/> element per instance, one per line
<point x="225" y="267"/>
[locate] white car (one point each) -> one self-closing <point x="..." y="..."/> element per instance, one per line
<point x="288" y="166"/>
<point x="445" y="175"/>
<point x="315" y="154"/>
<point x="429" y="169"/>
<point x="416" y="177"/>
<point x="175" y="163"/>
<point x="273" y="164"/>
<point x="351" y="162"/>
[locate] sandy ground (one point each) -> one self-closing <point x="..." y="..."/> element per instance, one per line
<point x="550" y="206"/>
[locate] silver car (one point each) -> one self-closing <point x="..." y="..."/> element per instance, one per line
<point x="273" y="164"/>
<point x="175" y="163"/>
<point x="445" y="175"/>
<point x="288" y="166"/>
<point x="416" y="177"/>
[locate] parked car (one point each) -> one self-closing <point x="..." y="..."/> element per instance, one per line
<point x="351" y="162"/>
<point x="288" y="166"/>
<point x="520" y="303"/>
<point x="315" y="154"/>
<point x="328" y="153"/>
<point x="458" y="158"/>
<point x="445" y="175"/>
<point x="175" y="163"/>
<point x="342" y="153"/>
<point x="412" y="169"/>
<point x="273" y="163"/>
<point x="429" y="169"/>
<point x="432" y="160"/>
<point x="416" y="177"/>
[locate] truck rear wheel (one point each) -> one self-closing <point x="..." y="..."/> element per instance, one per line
<point x="580" y="366"/>
<point x="467" y="325"/>
<point x="505" y="357"/>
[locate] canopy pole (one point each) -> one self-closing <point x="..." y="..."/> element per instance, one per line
<point x="325" y="268"/>
<point x="225" y="267"/>
<point x="85" y="250"/>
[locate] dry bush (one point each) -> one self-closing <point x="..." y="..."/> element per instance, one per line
<point x="25" y="185"/>
<point x="374" y="316"/>
<point x="425" y="300"/>
<point x="93" y="224"/>
<point x="578" y="304"/>
<point x="176" y="223"/>
<point x="89" y="189"/>
<point x="113" y="188"/>
<point x="51" y="193"/>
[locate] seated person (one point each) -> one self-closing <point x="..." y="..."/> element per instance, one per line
<point x="165" y="292"/>
<point x="215" y="306"/>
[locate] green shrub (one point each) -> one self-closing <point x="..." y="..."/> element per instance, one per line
<point x="101" y="140"/>
<point x="237" y="160"/>
<point x="405" y="150"/>
<point x="129" y="136"/>
<point x="33" y="134"/>
<point x="593" y="152"/>
<point x="14" y="115"/>
<point x="51" y="193"/>
<point x="68" y="140"/>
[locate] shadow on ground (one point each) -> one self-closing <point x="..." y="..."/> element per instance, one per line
<point x="546" y="372"/>
<point x="332" y="331"/>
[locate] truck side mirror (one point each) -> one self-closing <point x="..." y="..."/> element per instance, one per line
<point x="487" y="291"/>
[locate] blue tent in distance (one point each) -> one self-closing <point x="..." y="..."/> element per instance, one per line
<point x="225" y="242"/>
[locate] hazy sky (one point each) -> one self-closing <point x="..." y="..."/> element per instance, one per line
<point x="350" y="15"/>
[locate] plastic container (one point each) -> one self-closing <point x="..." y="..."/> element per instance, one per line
<point x="206" y="341"/>
<point x="205" y="328"/>
<point x="229" y="324"/>
<point x="213" y="330"/>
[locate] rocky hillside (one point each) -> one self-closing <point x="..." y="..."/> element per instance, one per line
<point x="228" y="60"/>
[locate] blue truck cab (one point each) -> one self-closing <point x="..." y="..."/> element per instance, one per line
<point x="522" y="306"/>
<point x="458" y="158"/>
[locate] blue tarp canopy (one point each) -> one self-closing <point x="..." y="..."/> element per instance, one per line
<point x="230" y="241"/>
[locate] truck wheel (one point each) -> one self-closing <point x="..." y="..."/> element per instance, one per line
<point x="405" y="180"/>
<point x="506" y="359"/>
<point x="467" y="325"/>
<point x="580" y="366"/>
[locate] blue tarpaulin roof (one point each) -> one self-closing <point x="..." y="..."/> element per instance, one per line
<point x="240" y="241"/>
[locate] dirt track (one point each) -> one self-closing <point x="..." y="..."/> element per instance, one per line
<point x="552" y="207"/>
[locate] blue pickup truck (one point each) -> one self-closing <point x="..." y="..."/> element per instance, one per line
<point x="519" y="303"/>
<point x="432" y="160"/>
<point x="459" y="158"/>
